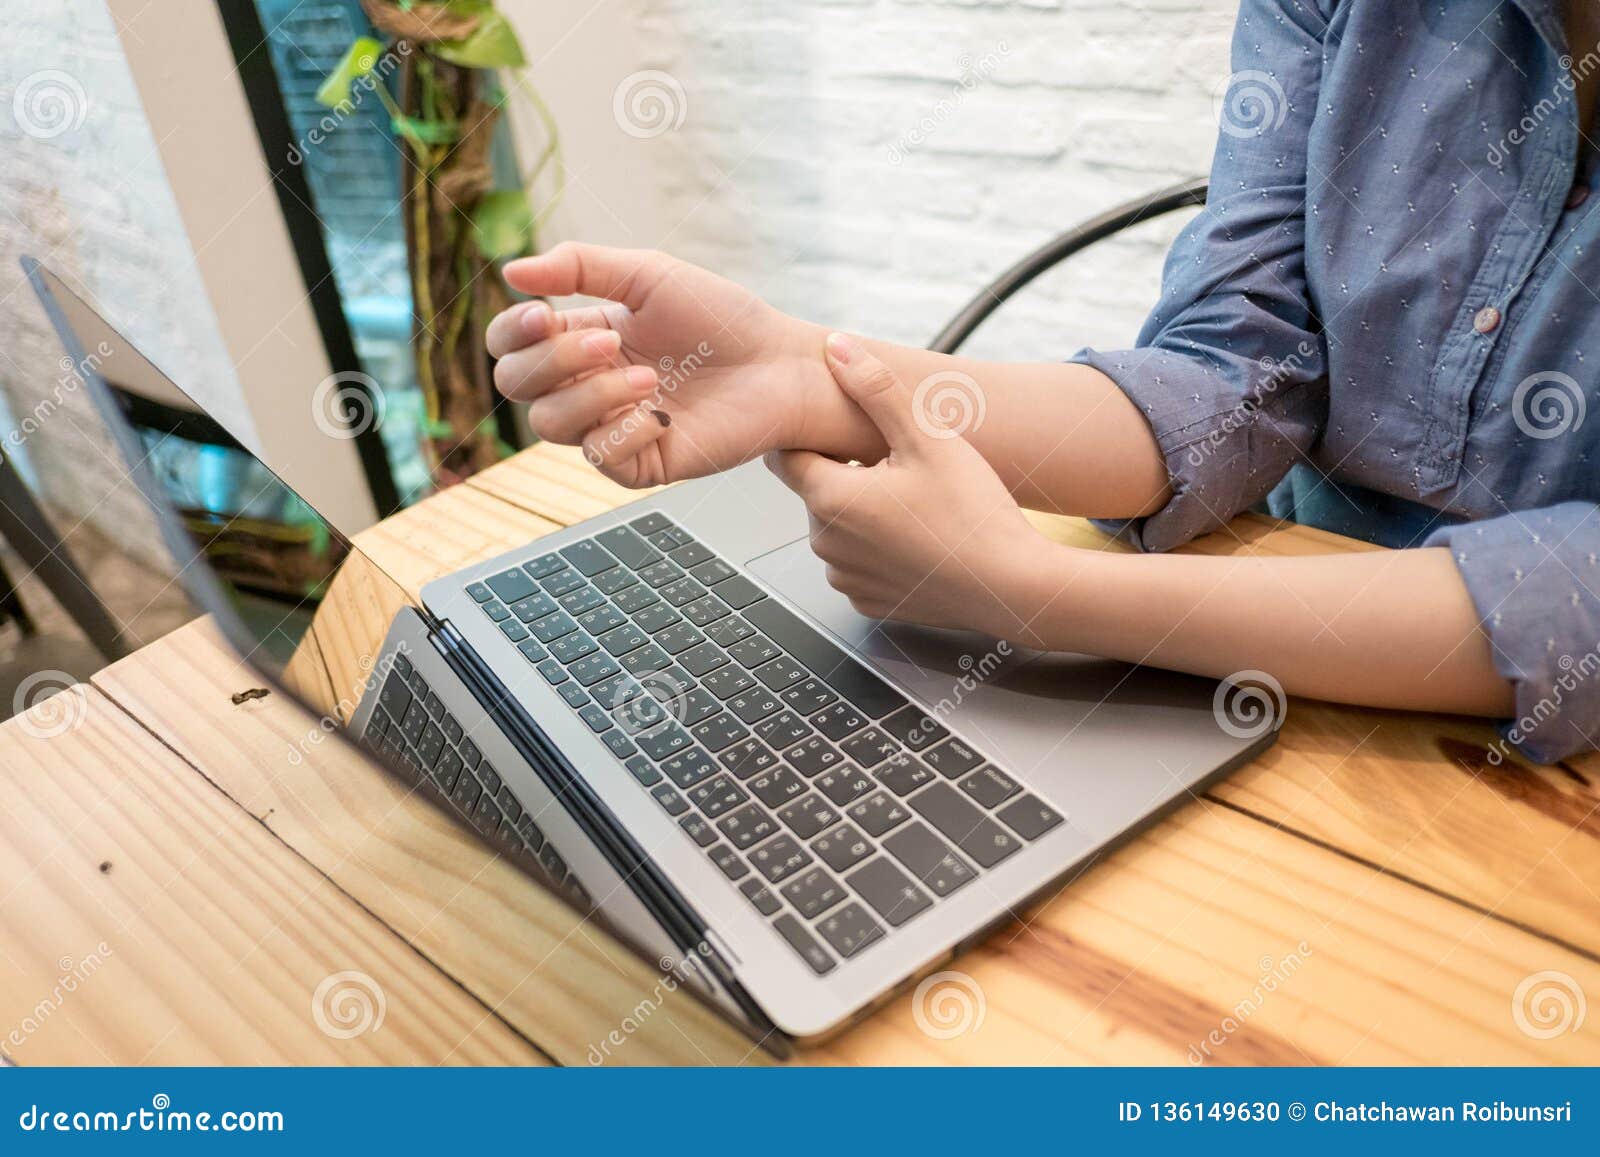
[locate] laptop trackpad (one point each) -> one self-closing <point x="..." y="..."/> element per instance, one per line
<point x="1059" y="721"/>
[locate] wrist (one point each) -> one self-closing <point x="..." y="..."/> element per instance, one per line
<point x="1042" y="580"/>
<point x="822" y="418"/>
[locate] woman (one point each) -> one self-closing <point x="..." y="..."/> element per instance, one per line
<point x="1382" y="323"/>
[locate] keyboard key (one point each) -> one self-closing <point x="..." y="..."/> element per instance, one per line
<point x="573" y="694"/>
<point x="752" y="705"/>
<point x="613" y="581"/>
<point x="804" y="943"/>
<point x="624" y="639"/>
<point x="691" y="555"/>
<point x="470" y="755"/>
<point x="670" y="538"/>
<point x="631" y="550"/>
<point x="535" y="606"/>
<point x="717" y="795"/>
<point x="513" y="630"/>
<point x="755" y="650"/>
<point x="651" y="524"/>
<point x="663" y="741"/>
<point x="738" y="592"/>
<point x="571" y="647"/>
<point x="878" y="814"/>
<point x="480" y="592"/>
<point x="511" y="585"/>
<point x="903" y="774"/>
<point x="694" y="706"/>
<point x="704" y="612"/>
<point x="728" y="860"/>
<point x="635" y="599"/>
<point x="688" y="767"/>
<point x="726" y="681"/>
<point x="809" y="696"/>
<point x="602" y="619"/>
<point x="747" y="826"/>
<point x="497" y="612"/>
<point x="761" y="896"/>
<point x="711" y="573"/>
<point x="642" y="770"/>
<point x="646" y="659"/>
<point x="582" y="600"/>
<point x="850" y="679"/>
<point x="964" y="825"/>
<point x="882" y="884"/>
<point x="850" y="929"/>
<point x="747" y="757"/>
<point x="703" y="658"/>
<point x="395" y="696"/>
<point x="675" y="804"/>
<point x="678" y="638"/>
<point x="553" y="672"/>
<point x="843" y="784"/>
<point x="807" y="816"/>
<point x="1030" y="817"/>
<point x="730" y="630"/>
<point x="990" y="786"/>
<point x="838" y="721"/>
<point x="929" y="859"/>
<point x="780" y="673"/>
<point x="718" y="732"/>
<point x="779" y="858"/>
<point x="550" y="628"/>
<point x="699" y="829"/>
<point x="562" y="582"/>
<point x="589" y="557"/>
<point x="952" y="759"/>
<point x="842" y="848"/>
<point x="783" y="729"/>
<point x="430" y="746"/>
<point x="532" y="651"/>
<point x="776" y="787"/>
<point x="543" y="566"/>
<point x="683" y="592"/>
<point x="656" y="617"/>
<point x="659" y="574"/>
<point x="914" y="729"/>
<point x="621" y="746"/>
<point x="813" y="892"/>
<point x="596" y="718"/>
<point x="812" y="755"/>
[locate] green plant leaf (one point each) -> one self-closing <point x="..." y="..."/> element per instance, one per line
<point x="425" y="132"/>
<point x="358" y="60"/>
<point x="502" y="224"/>
<point x="493" y="44"/>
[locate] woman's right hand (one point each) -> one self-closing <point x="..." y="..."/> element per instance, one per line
<point x="678" y="374"/>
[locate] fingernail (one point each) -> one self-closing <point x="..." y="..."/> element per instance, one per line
<point x="840" y="347"/>
<point x="603" y="343"/>
<point x="536" y="321"/>
<point x="663" y="417"/>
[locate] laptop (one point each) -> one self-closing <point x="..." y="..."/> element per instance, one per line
<point x="669" y="719"/>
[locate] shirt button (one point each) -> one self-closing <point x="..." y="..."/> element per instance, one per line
<point x="1486" y="320"/>
<point x="1578" y="195"/>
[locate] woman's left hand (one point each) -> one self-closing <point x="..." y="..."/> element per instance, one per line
<point x="929" y="534"/>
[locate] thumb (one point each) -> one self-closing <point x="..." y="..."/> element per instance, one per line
<point x="877" y="390"/>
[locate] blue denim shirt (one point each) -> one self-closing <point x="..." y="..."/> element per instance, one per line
<point x="1387" y="318"/>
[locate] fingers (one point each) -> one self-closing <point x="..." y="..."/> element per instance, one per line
<point x="525" y="374"/>
<point x="809" y="475"/>
<point x="616" y="448"/>
<point x="874" y="387"/>
<point x="527" y="322"/>
<point x="621" y="275"/>
<point x="565" y="415"/>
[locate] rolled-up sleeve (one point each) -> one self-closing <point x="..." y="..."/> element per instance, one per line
<point x="1230" y="367"/>
<point x="1534" y="577"/>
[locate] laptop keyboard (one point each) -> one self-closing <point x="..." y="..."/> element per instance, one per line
<point x="412" y="727"/>
<point x="838" y="808"/>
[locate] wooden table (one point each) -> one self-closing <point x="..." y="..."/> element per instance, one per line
<point x="1374" y="890"/>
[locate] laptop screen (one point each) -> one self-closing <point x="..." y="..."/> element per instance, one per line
<point x="172" y="523"/>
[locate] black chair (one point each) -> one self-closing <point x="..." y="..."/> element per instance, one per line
<point x="1052" y="253"/>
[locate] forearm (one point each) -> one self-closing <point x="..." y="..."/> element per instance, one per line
<point x="1061" y="436"/>
<point x="1383" y="629"/>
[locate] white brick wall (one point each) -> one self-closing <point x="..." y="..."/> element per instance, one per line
<point x="786" y="175"/>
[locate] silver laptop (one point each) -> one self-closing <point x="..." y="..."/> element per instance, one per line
<point x="666" y="714"/>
